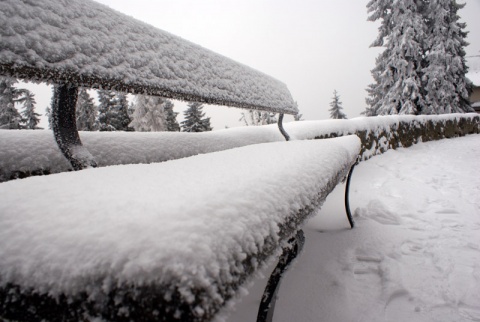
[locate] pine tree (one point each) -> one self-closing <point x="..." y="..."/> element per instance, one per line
<point x="171" y="117"/>
<point x="48" y="114"/>
<point x="106" y="100"/>
<point x="120" y="119"/>
<point x="10" y="118"/>
<point x="149" y="114"/>
<point x="86" y="112"/>
<point x="336" y="110"/>
<point x="195" y="120"/>
<point x="446" y="87"/>
<point x="113" y="111"/>
<point x="30" y="118"/>
<point x="401" y="78"/>
<point x="257" y="118"/>
<point x="298" y="116"/>
<point x="422" y="69"/>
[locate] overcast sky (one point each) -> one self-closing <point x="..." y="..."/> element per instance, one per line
<point x="313" y="46"/>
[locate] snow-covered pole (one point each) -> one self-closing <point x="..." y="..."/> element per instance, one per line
<point x="65" y="127"/>
<point x="280" y="127"/>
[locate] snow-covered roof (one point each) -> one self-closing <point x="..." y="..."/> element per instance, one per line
<point x="473" y="74"/>
<point x="91" y="45"/>
<point x="191" y="227"/>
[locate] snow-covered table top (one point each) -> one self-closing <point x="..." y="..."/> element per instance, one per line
<point x="88" y="44"/>
<point x="194" y="228"/>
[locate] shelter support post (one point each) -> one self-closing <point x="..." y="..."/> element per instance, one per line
<point x="65" y="127"/>
<point x="289" y="253"/>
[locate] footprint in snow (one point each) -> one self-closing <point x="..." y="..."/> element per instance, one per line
<point x="378" y="212"/>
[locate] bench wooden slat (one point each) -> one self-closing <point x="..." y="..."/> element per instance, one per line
<point x="177" y="239"/>
<point x="88" y="44"/>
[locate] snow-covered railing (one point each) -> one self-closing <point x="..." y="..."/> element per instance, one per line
<point x="381" y="133"/>
<point x="159" y="242"/>
<point x="26" y="153"/>
<point x="82" y="43"/>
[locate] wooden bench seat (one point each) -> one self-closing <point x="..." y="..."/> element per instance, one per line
<point x="158" y="242"/>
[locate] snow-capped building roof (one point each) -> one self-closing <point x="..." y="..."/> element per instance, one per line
<point x="88" y="44"/>
<point x="473" y="63"/>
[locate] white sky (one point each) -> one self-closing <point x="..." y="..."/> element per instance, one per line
<point x="313" y="46"/>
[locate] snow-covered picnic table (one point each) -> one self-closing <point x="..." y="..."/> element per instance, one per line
<point x="174" y="240"/>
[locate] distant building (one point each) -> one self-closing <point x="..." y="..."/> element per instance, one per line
<point x="473" y="74"/>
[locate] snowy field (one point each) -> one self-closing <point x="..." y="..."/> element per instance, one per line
<point x="414" y="254"/>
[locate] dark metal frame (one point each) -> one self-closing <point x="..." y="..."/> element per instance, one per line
<point x="289" y="253"/>
<point x="65" y="127"/>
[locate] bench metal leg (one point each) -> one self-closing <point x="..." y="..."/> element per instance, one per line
<point x="289" y="253"/>
<point x="347" y="202"/>
<point x="65" y="127"/>
<point x="280" y="127"/>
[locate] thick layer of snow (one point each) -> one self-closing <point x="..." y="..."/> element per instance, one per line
<point x="187" y="222"/>
<point x="414" y="254"/>
<point x="28" y="151"/>
<point x="86" y="43"/>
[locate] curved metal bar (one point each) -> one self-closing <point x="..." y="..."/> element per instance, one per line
<point x="280" y="127"/>
<point x="65" y="127"/>
<point x="347" y="202"/>
<point x="289" y="253"/>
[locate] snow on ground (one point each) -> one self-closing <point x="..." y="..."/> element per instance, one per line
<point x="414" y="254"/>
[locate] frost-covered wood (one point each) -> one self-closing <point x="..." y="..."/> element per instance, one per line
<point x="88" y="44"/>
<point x="159" y="242"/>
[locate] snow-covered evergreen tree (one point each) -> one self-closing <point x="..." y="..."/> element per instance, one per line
<point x="298" y="116"/>
<point x="149" y="115"/>
<point x="10" y="118"/>
<point x="86" y="112"/>
<point x="336" y="107"/>
<point x="30" y="117"/>
<point x="446" y="87"/>
<point x="48" y="114"/>
<point x="400" y="67"/>
<point x="113" y="111"/>
<point x="171" y="117"/>
<point x="195" y="120"/>
<point x="422" y="69"/>
<point x="120" y="118"/>
<point x="256" y="118"/>
<point x="106" y="103"/>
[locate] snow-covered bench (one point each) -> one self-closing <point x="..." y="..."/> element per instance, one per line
<point x="83" y="43"/>
<point x="169" y="241"/>
<point x="159" y="242"/>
